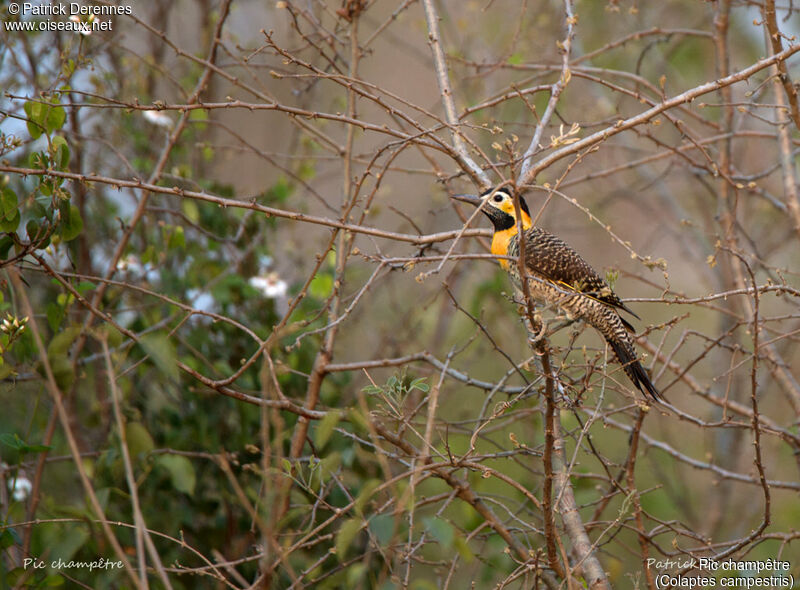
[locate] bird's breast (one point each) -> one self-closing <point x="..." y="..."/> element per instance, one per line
<point x="500" y="243"/>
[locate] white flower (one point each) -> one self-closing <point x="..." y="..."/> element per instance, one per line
<point x="201" y="301"/>
<point x="22" y="487"/>
<point x="158" y="118"/>
<point x="85" y="28"/>
<point x="271" y="285"/>
<point x="130" y="264"/>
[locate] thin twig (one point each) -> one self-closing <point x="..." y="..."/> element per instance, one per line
<point x="446" y="93"/>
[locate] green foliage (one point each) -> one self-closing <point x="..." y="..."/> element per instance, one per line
<point x="440" y="530"/>
<point x="325" y="428"/>
<point x="44" y="118"/>
<point x="346" y="536"/>
<point x="140" y="442"/>
<point x="13" y="441"/>
<point x="398" y="386"/>
<point x="382" y="526"/>
<point x="611" y="278"/>
<point x="9" y="213"/>
<point x="71" y="222"/>
<point x="161" y="352"/>
<point x="181" y="472"/>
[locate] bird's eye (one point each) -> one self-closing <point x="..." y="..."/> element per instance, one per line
<point x="498" y="197"/>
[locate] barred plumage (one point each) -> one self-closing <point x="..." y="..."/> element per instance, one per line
<point x="558" y="276"/>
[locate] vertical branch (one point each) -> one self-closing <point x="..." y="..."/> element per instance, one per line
<point x="539" y="344"/>
<point x="727" y="208"/>
<point x="142" y="534"/>
<point x="584" y="551"/>
<point x="775" y="35"/>
<point x="730" y="269"/>
<point x="754" y="423"/>
<point x="759" y="463"/>
<point x="784" y="89"/>
<point x="547" y="459"/>
<point x="526" y="176"/>
<point x="451" y="116"/>
<point x="637" y="505"/>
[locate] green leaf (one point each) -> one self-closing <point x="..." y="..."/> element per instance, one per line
<point x="441" y="530"/>
<point x="61" y="342"/>
<point x="36" y="448"/>
<point x="354" y="573"/>
<point x="357" y="419"/>
<point x="57" y="356"/>
<point x="139" y="440"/>
<point x="8" y="203"/>
<point x="55" y="118"/>
<point x="279" y="191"/>
<point x="11" y="224"/>
<point x="162" y="352"/>
<point x="463" y="549"/>
<point x="6" y="539"/>
<point x="327" y="466"/>
<point x="5" y="246"/>
<point x="365" y="495"/>
<point x="38" y="160"/>
<point x="46" y="187"/>
<point x="71" y="224"/>
<point x="191" y="210"/>
<point x="69" y="543"/>
<point x="515" y="59"/>
<point x="13" y="440"/>
<point x="325" y="428"/>
<point x="61" y="152"/>
<point x="6" y="370"/>
<point x="36" y="115"/>
<point x="62" y="371"/>
<point x="150" y="255"/>
<point x="32" y="228"/>
<point x="68" y="67"/>
<point x="199" y="116"/>
<point x="306" y="171"/>
<point x="420" y="384"/>
<point x="181" y="472"/>
<point x="113" y="335"/>
<point x="346" y="535"/>
<point x="382" y="528"/>
<point x="15" y="575"/>
<point x="55" y="315"/>
<point x="322" y="286"/>
<point x="176" y="238"/>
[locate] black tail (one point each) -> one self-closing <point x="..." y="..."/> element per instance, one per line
<point x="634" y="370"/>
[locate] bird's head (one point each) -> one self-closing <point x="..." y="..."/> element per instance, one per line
<point x="498" y="205"/>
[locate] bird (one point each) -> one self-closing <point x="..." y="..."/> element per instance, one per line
<point x="559" y="276"/>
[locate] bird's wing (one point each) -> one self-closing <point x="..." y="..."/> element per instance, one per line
<point x="553" y="259"/>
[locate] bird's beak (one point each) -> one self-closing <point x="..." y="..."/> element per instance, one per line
<point x="474" y="200"/>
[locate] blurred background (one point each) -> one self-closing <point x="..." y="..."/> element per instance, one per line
<point x="241" y="326"/>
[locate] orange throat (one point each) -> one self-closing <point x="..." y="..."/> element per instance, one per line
<point x="500" y="242"/>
